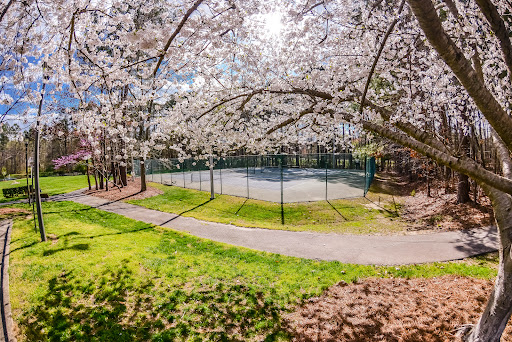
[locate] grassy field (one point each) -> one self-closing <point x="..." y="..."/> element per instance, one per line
<point x="354" y="216"/>
<point x="105" y="277"/>
<point x="49" y="185"/>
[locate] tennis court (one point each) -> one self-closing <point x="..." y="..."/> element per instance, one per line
<point x="276" y="179"/>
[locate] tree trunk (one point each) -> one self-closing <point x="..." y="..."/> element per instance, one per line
<point x="447" y="178"/>
<point x="101" y="179"/>
<point x="463" y="189"/>
<point x="88" y="174"/>
<point x="122" y="174"/>
<point x="37" y="189"/>
<point x="114" y="173"/>
<point x="499" y="307"/>
<point x="95" y="179"/>
<point x="142" y="176"/>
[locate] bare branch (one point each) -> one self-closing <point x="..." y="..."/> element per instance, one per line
<point x="175" y="33"/>
<point x="383" y="43"/>
<point x="498" y="26"/>
<point x="5" y="9"/>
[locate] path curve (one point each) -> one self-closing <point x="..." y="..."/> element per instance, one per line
<point x="357" y="249"/>
<point x="6" y="327"/>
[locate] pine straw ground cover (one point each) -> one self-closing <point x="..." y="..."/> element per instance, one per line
<point x="392" y="310"/>
<point x="104" y="277"/>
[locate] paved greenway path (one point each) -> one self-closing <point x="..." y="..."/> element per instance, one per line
<point x="358" y="249"/>
<point x="6" y="328"/>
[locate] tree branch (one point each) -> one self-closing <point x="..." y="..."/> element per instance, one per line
<point x="383" y="43"/>
<point x="5" y="9"/>
<point x="452" y="55"/>
<point x="175" y="33"/>
<point x="498" y="26"/>
<point x="462" y="164"/>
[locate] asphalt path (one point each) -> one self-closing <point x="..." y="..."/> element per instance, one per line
<point x="357" y="249"/>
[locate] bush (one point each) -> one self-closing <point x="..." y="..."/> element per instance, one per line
<point x="80" y="167"/>
<point x="14" y="192"/>
<point x="47" y="174"/>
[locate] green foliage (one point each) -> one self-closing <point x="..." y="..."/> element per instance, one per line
<point x="14" y="192"/>
<point x="105" y="277"/>
<point x="370" y="150"/>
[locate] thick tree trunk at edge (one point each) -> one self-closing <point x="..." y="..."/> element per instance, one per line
<point x="497" y="313"/>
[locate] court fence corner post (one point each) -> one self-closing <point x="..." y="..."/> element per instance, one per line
<point x="247" y="173"/>
<point x="326" y="178"/>
<point x="212" y="190"/>
<point x="365" y="176"/>
<point x="282" y="189"/>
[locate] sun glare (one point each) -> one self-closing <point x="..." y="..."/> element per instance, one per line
<point x="273" y="23"/>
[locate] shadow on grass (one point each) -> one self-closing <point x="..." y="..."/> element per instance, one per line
<point x="23" y="247"/>
<point x="186" y="211"/>
<point x="339" y="213"/>
<point x="76" y="247"/>
<point x="116" y="306"/>
<point x="149" y="227"/>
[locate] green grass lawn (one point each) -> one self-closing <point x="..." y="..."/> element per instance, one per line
<point x="49" y="185"/>
<point x="104" y="277"/>
<point x="352" y="216"/>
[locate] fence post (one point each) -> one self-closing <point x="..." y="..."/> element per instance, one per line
<point x="326" y="179"/>
<point x="200" y="180"/>
<point x="183" y="168"/>
<point x="365" y="175"/>
<point x="247" y="172"/>
<point x="282" y="190"/>
<point x="151" y="163"/>
<point x="220" y="175"/>
<point x="212" y="192"/>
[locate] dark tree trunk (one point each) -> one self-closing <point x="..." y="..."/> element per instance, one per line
<point x="88" y="174"/>
<point x="499" y="306"/>
<point x="463" y="189"/>
<point x="114" y="173"/>
<point x="122" y="174"/>
<point x="101" y="180"/>
<point x="142" y="176"/>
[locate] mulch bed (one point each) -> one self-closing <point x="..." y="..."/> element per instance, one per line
<point x="392" y="310"/>
<point x="129" y="192"/>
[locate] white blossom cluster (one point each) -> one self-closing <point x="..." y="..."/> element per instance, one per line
<point x="210" y="77"/>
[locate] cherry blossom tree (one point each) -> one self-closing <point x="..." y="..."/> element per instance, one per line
<point x="394" y="69"/>
<point x="261" y="75"/>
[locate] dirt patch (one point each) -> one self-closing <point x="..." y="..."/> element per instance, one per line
<point x="11" y="212"/>
<point x="392" y="310"/>
<point x="129" y="192"/>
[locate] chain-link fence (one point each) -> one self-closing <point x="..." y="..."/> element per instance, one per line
<point x="283" y="178"/>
